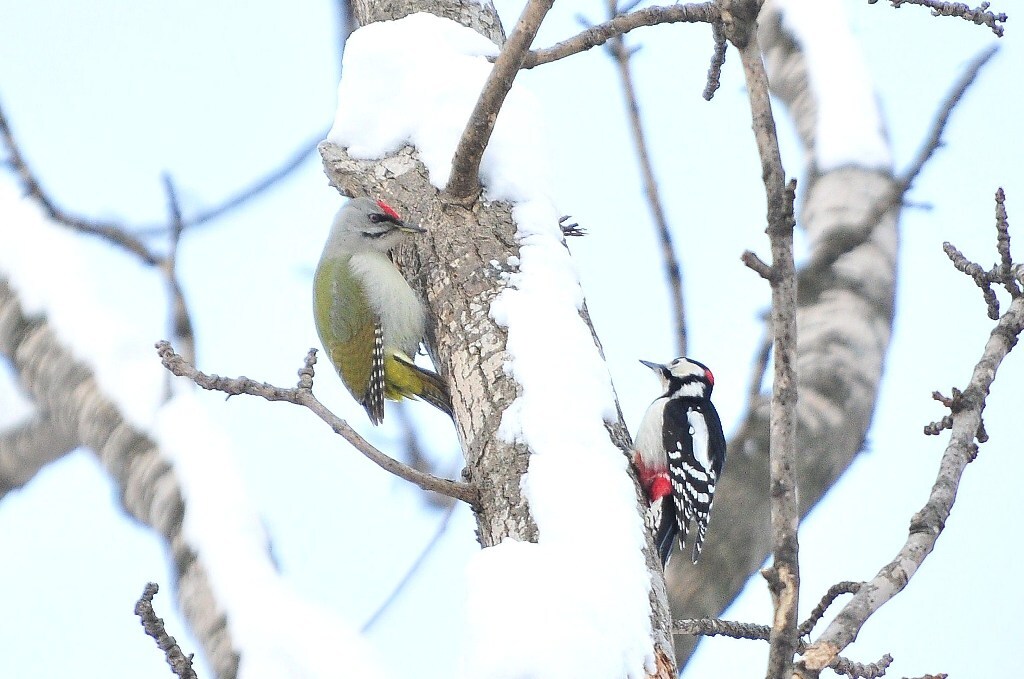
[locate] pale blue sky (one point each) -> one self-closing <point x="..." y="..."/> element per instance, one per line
<point x="105" y="97"/>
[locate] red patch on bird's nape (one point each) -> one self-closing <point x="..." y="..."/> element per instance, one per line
<point x="711" y="377"/>
<point x="388" y="210"/>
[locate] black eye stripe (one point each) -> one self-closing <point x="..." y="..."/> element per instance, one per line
<point x="377" y="217"/>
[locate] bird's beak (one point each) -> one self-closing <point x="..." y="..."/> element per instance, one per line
<point x="410" y="228"/>
<point x="652" y="365"/>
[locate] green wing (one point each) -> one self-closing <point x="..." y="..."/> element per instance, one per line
<point x="350" y="332"/>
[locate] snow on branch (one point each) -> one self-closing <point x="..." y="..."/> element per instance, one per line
<point x="303" y="395"/>
<point x="464" y="182"/>
<point x="965" y="420"/>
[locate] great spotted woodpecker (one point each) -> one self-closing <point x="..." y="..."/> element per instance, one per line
<point x="679" y="452"/>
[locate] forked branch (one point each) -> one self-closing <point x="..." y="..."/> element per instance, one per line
<point x="964" y="422"/>
<point x="302" y="395"/>
<point x="464" y="183"/>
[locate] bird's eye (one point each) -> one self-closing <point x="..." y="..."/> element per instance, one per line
<point x="376" y="217"/>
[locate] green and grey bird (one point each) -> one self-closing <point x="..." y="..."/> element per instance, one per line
<point x="368" y="318"/>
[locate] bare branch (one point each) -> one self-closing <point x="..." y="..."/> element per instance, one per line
<point x="181" y="320"/>
<point x="442" y="528"/>
<point x="464" y="183"/>
<point x="834" y="592"/>
<point x="303" y="395"/>
<point x="979" y="15"/>
<point x="180" y="663"/>
<point x="978" y="273"/>
<point x="717" y="61"/>
<point x="856" y="670"/>
<point x="670" y="261"/>
<point x="704" y="12"/>
<point x="829" y="251"/>
<point x="260" y="185"/>
<point x="710" y="627"/>
<point x="934" y="139"/>
<point x="784" y="574"/>
<point x="110" y="231"/>
<point x="757" y="265"/>
<point x="928" y="523"/>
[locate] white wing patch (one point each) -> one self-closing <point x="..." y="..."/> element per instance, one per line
<point x="699" y="432"/>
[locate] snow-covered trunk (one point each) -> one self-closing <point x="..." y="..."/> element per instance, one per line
<point x="845" y="294"/>
<point x="568" y="582"/>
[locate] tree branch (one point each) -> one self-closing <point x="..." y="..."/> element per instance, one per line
<point x="180" y="663"/>
<point x="464" y="182"/>
<point x="834" y="592"/>
<point x="303" y="395"/>
<point x="27" y="448"/>
<point x="669" y="259"/>
<point x="710" y="627"/>
<point x="928" y="523"/>
<point x="442" y="528"/>
<point x="146" y="482"/>
<point x="978" y="15"/>
<point x="784" y="575"/>
<point x="717" y="61"/>
<point x="705" y="12"/>
<point x="109" y="231"/>
<point x="181" y="320"/>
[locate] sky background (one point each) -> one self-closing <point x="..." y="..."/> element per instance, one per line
<point x="106" y="97"/>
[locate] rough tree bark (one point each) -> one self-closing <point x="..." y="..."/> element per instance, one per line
<point x="845" y="313"/>
<point x="456" y="268"/>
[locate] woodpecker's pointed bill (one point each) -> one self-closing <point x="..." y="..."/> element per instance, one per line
<point x="369" y="320"/>
<point x="679" y="452"/>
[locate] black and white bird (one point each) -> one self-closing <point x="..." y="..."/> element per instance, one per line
<point x="679" y="452"/>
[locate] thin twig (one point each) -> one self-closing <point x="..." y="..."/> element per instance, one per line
<point x="464" y="182"/>
<point x="414" y="453"/>
<point x="710" y="627"/>
<point x="112" y="232"/>
<point x="934" y="139"/>
<point x="414" y="568"/>
<point x="180" y="663"/>
<point x="927" y="524"/>
<point x="181" y="320"/>
<point x="828" y="253"/>
<point x="303" y="395"/>
<point x="246" y="194"/>
<point x="757" y="265"/>
<point x="595" y="36"/>
<point x="717" y="61"/>
<point x="669" y="259"/>
<point x="834" y="592"/>
<point x="978" y="15"/>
